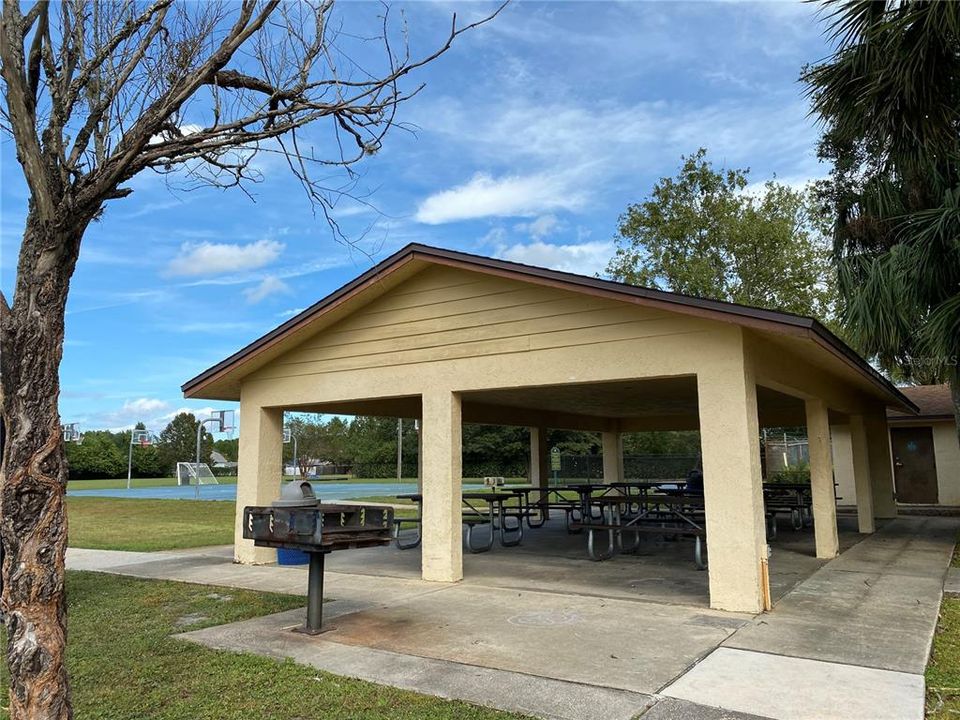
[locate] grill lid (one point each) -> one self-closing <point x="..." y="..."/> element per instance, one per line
<point x="296" y="494"/>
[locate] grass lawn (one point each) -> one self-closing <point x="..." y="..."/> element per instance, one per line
<point x="148" y="525"/>
<point x="124" y="664"/>
<point x="943" y="671"/>
<point x="144" y="525"/>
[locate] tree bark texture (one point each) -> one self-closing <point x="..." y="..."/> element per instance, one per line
<point x="33" y="473"/>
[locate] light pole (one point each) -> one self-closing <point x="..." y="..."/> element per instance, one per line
<point x="399" y="449"/>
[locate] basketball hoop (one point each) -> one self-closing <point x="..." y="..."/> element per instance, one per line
<point x="139" y="438"/>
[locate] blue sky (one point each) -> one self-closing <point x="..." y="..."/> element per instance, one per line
<point x="531" y="136"/>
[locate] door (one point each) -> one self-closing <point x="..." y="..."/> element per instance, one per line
<point x="914" y="466"/>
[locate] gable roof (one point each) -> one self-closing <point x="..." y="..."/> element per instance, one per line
<point x="932" y="401"/>
<point x="417" y="254"/>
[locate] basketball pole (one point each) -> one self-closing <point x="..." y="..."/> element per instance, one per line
<point x="130" y="460"/>
<point x="133" y="433"/>
<point x="221" y="425"/>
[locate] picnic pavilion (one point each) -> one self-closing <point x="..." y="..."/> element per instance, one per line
<point x="448" y="337"/>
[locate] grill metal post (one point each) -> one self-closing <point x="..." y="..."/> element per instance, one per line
<point x="315" y="594"/>
<point x="298" y="522"/>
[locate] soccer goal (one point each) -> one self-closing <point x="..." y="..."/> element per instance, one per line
<point x="195" y="474"/>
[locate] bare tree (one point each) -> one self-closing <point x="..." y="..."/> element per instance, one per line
<point x="95" y="92"/>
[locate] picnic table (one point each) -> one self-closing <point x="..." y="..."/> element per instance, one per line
<point x="793" y="498"/>
<point x="496" y="515"/>
<point x="665" y="515"/>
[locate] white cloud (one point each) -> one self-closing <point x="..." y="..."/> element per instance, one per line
<point x="290" y="313"/>
<point x="210" y="258"/>
<point x="541" y="227"/>
<point x="507" y="196"/>
<point x="210" y="327"/>
<point x="589" y="258"/>
<point x="144" y="405"/>
<point x="544" y="158"/>
<point x="144" y="409"/>
<point x="270" y="285"/>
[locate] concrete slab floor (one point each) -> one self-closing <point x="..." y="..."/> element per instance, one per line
<point x="552" y="560"/>
<point x="876" y="605"/>
<point x="668" y="708"/>
<point x="951" y="585"/>
<point x="791" y="688"/>
<point x="597" y="641"/>
<point x="515" y="692"/>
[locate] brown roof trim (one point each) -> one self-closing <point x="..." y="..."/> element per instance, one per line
<point x="742" y="314"/>
<point x="913" y="419"/>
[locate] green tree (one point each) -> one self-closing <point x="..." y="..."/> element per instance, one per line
<point x="495" y="450"/>
<point x="889" y="99"/>
<point x="372" y="446"/>
<point x="96" y="93"/>
<point x="97" y="456"/>
<point x="702" y="233"/>
<point x="178" y="442"/>
<point x="146" y="459"/>
<point x="228" y="447"/>
<point x="662" y="442"/>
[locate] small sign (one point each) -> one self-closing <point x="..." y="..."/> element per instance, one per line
<point x="555" y="459"/>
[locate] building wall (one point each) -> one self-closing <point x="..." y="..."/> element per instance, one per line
<point x="843" y="465"/>
<point x="444" y="314"/>
<point x="946" y="450"/>
<point x="465" y="331"/>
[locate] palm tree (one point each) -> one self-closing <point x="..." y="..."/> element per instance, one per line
<point x="889" y="99"/>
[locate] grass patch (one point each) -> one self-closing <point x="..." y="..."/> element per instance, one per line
<point x="943" y="672"/>
<point x="146" y="525"/>
<point x="124" y="664"/>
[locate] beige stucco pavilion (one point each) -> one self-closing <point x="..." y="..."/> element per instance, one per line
<point x="448" y="337"/>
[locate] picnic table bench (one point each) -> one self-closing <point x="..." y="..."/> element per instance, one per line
<point x="664" y="515"/>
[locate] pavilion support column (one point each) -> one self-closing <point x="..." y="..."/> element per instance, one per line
<point x="733" y="490"/>
<point x="612" y="457"/>
<point x="881" y="464"/>
<point x="259" y="471"/>
<point x="540" y="462"/>
<point x="442" y="556"/>
<point x="420" y="456"/>
<point x="821" y="479"/>
<point x="861" y="474"/>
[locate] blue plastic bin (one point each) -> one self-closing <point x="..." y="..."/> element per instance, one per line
<point x="292" y="557"/>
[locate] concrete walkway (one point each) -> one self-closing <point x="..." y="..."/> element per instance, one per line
<point x="849" y="641"/>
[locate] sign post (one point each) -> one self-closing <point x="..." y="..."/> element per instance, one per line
<point x="555" y="463"/>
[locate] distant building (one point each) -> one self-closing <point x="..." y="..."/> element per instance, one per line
<point x="925" y="447"/>
<point x="924" y="451"/>
<point x="219" y="460"/>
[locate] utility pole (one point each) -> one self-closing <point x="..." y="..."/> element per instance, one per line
<point x="399" y="449"/>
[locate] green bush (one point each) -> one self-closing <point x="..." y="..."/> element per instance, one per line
<point x="797" y="474"/>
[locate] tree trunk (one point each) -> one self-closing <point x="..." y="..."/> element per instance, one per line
<point x="953" y="378"/>
<point x="33" y="473"/>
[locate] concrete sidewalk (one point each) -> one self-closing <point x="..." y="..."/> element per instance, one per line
<point x="850" y="641"/>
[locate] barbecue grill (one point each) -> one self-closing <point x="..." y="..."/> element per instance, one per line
<point x="298" y="521"/>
